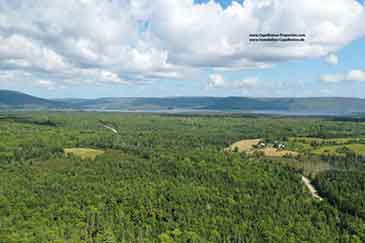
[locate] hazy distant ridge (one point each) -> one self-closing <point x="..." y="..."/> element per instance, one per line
<point x="14" y="100"/>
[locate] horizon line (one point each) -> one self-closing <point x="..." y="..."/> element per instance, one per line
<point x="187" y="96"/>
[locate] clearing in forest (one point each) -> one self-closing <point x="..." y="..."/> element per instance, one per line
<point x="273" y="152"/>
<point x="84" y="153"/>
<point x="244" y="145"/>
<point x="253" y="145"/>
<point x="309" y="140"/>
<point x="340" y="149"/>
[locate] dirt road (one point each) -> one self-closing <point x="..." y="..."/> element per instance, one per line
<point x="111" y="128"/>
<point x="311" y="188"/>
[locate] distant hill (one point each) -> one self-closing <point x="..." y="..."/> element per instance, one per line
<point x="335" y="105"/>
<point x="17" y="100"/>
<point x="321" y="105"/>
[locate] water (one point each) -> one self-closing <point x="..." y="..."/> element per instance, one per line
<point x="203" y="111"/>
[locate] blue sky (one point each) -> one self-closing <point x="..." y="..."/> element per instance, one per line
<point x="181" y="48"/>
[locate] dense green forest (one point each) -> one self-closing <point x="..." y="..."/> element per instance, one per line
<point x="344" y="189"/>
<point x="168" y="178"/>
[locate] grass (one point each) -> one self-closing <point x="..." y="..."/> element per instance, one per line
<point x="327" y="146"/>
<point x="244" y="145"/>
<point x="311" y="139"/>
<point x="84" y="153"/>
<point x="273" y="152"/>
<point x="336" y="149"/>
<point x="337" y="141"/>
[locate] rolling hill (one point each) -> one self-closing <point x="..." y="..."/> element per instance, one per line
<point x="16" y="100"/>
<point x="315" y="105"/>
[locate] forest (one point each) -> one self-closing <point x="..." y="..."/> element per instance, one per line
<point x="93" y="177"/>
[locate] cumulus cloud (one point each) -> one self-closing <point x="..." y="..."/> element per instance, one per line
<point x="75" y="42"/>
<point x="332" y="59"/>
<point x="247" y="83"/>
<point x="353" y="75"/>
<point x="356" y="75"/>
<point x="252" y="86"/>
<point x="72" y="39"/>
<point x="46" y="84"/>
<point x="208" y="35"/>
<point x="332" y="78"/>
<point x="17" y="51"/>
<point x="218" y="81"/>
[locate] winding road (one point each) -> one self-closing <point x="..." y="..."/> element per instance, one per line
<point x="311" y="188"/>
<point x="111" y="128"/>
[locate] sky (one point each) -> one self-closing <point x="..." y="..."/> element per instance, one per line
<point x="160" y="48"/>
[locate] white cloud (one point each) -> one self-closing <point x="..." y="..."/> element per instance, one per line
<point x="332" y="78"/>
<point x="353" y="75"/>
<point x="207" y="35"/>
<point x="218" y="81"/>
<point x="21" y="52"/>
<point x="60" y="38"/>
<point x="75" y="42"/>
<point x="46" y="84"/>
<point x="356" y="75"/>
<point x="247" y="83"/>
<point x="332" y="59"/>
<point x="260" y="87"/>
<point x="6" y="75"/>
<point x="102" y="76"/>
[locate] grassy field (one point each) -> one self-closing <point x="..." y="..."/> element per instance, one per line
<point x="249" y="146"/>
<point x="309" y="140"/>
<point x="330" y="146"/>
<point x="245" y="145"/>
<point x="340" y="149"/>
<point x="84" y="153"/>
<point x="273" y="152"/>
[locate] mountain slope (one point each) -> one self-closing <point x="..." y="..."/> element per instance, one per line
<point x="14" y="99"/>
